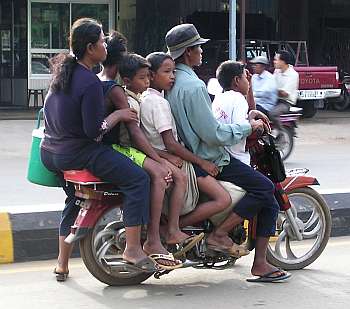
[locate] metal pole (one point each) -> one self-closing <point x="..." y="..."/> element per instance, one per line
<point x="232" y="30"/>
<point x="242" y="34"/>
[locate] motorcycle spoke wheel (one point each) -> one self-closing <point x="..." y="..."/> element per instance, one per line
<point x="313" y="218"/>
<point x="104" y="242"/>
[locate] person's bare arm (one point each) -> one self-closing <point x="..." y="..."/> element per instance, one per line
<point x="120" y="101"/>
<point x="175" y="160"/>
<point x="250" y="96"/>
<point x="177" y="149"/>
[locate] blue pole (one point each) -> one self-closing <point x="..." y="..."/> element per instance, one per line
<point x="232" y="30"/>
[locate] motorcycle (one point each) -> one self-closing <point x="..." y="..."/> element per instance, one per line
<point x="304" y="218"/>
<point x="285" y="141"/>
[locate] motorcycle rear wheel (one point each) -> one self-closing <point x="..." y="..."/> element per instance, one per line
<point x="285" y="143"/>
<point x="100" y="242"/>
<point x="316" y="229"/>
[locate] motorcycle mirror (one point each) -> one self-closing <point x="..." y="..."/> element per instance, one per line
<point x="214" y="87"/>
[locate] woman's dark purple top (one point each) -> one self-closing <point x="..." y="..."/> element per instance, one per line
<point x="73" y="121"/>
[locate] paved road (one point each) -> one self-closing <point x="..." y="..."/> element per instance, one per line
<point x="323" y="147"/>
<point x="324" y="284"/>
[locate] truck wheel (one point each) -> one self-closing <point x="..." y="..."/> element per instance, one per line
<point x="309" y="109"/>
<point x="342" y="104"/>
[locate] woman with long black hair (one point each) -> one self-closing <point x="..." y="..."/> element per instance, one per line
<point x="74" y="126"/>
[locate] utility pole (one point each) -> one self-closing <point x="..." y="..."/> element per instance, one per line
<point x="232" y="30"/>
<point x="242" y="34"/>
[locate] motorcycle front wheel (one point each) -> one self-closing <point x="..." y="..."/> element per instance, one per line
<point x="312" y="215"/>
<point x="106" y="241"/>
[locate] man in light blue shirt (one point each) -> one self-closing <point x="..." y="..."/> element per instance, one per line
<point x="206" y="137"/>
<point x="264" y="85"/>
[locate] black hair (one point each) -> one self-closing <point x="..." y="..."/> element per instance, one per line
<point x="116" y="47"/>
<point x="285" y="56"/>
<point x="84" y="31"/>
<point x="156" y="59"/>
<point x="131" y="64"/>
<point x="227" y="71"/>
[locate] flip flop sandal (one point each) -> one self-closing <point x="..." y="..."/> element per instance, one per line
<point x="157" y="258"/>
<point x="145" y="265"/>
<point x="269" y="278"/>
<point x="187" y="244"/>
<point x="235" y="251"/>
<point x="61" y="276"/>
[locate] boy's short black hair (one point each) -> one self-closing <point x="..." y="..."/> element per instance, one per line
<point x="227" y="71"/>
<point x="116" y="48"/>
<point x="285" y="56"/>
<point x="131" y="64"/>
<point x="156" y="59"/>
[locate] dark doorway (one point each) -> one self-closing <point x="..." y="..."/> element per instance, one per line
<point x="13" y="53"/>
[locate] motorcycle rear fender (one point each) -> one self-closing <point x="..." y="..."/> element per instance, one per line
<point x="294" y="182"/>
<point x="86" y="220"/>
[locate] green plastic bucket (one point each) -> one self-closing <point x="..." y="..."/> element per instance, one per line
<point x="37" y="172"/>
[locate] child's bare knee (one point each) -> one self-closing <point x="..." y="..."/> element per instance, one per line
<point x="224" y="200"/>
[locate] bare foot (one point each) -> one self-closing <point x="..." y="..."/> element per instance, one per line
<point x="134" y="255"/>
<point x="176" y="237"/>
<point x="264" y="268"/>
<point x="157" y="248"/>
<point x="219" y="240"/>
<point x="61" y="268"/>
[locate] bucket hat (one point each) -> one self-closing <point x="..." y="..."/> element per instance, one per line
<point x="260" y="59"/>
<point x="180" y="37"/>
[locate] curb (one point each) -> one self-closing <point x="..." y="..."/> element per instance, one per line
<point x="34" y="236"/>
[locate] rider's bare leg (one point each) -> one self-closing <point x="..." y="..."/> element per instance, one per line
<point x="133" y="251"/>
<point x="173" y="234"/>
<point x="260" y="264"/>
<point x="219" y="236"/>
<point x="65" y="251"/>
<point x="158" y="185"/>
<point x="219" y="200"/>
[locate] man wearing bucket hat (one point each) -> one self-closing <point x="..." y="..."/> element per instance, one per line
<point x="206" y="137"/>
<point x="264" y="85"/>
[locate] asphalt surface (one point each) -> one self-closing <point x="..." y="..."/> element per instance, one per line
<point x="322" y="285"/>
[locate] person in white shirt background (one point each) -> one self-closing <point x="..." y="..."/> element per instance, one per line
<point x="287" y="81"/>
<point x="264" y="85"/>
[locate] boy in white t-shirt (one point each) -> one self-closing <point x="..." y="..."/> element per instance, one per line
<point x="231" y="105"/>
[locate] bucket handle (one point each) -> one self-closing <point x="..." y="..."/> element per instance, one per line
<point x="40" y="115"/>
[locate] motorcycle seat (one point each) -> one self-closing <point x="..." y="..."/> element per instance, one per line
<point x="83" y="177"/>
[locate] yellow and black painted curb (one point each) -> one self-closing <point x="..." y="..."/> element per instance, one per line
<point x="29" y="236"/>
<point x="34" y="236"/>
<point x="6" y="240"/>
